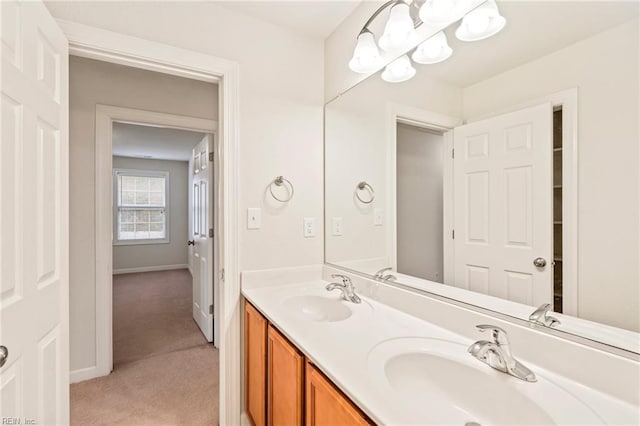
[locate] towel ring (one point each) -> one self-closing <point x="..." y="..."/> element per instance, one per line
<point x="280" y="181"/>
<point x="362" y="186"/>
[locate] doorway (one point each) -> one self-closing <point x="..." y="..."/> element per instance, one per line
<point x="147" y="232"/>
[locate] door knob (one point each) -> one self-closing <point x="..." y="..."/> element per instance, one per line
<point x="539" y="262"/>
<point x="191" y="242"/>
<point x="4" y="354"/>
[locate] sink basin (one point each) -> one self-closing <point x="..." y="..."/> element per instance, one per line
<point x="440" y="380"/>
<point x="318" y="308"/>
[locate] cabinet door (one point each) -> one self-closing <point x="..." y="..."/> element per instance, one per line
<point x="326" y="405"/>
<point x="285" y="381"/>
<point x="255" y="328"/>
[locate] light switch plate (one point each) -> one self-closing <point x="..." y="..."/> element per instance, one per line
<point x="254" y="220"/>
<point x="377" y="217"/>
<point x="336" y="226"/>
<point x="309" y="227"/>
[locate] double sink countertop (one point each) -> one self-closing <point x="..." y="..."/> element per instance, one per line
<point x="400" y="369"/>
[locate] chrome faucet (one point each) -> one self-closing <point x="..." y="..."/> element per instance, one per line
<point x="380" y="275"/>
<point x="346" y="286"/>
<point x="497" y="354"/>
<point x="541" y="316"/>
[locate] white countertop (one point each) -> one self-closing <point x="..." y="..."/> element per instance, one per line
<point x="342" y="350"/>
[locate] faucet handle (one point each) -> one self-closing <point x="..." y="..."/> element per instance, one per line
<point x="345" y="279"/>
<point x="498" y="334"/>
<point x="541" y="316"/>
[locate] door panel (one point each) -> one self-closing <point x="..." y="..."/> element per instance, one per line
<point x="203" y="244"/>
<point x="502" y="206"/>
<point x="34" y="383"/>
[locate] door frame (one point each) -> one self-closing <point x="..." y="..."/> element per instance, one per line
<point x="106" y="115"/>
<point x="422" y="118"/>
<point x="94" y="43"/>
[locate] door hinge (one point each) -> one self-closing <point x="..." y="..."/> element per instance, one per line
<point x="453" y="234"/>
<point x="222" y="274"/>
<point x="211" y="309"/>
<point x="453" y="153"/>
<point x="210" y="232"/>
<point x="211" y="156"/>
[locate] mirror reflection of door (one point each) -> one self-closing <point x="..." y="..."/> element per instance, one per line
<point x="506" y="219"/>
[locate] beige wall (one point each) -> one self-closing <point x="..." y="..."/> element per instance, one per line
<point x="91" y="83"/>
<point x="158" y="255"/>
<point x="605" y="70"/>
<point x="280" y="131"/>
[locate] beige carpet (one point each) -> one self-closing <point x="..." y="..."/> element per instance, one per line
<point x="165" y="373"/>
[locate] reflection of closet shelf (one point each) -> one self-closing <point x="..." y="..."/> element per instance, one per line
<point x="557" y="186"/>
<point x="557" y="149"/>
<point x="557" y="259"/>
<point x="557" y="222"/>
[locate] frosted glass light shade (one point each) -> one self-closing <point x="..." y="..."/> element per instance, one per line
<point x="442" y="11"/>
<point x="399" y="70"/>
<point x="481" y="23"/>
<point x="399" y="33"/>
<point x="366" y="56"/>
<point x="434" y="50"/>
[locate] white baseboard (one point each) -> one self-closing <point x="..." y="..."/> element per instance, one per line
<point x="83" y="374"/>
<point x="150" y="269"/>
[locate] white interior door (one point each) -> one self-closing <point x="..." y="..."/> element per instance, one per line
<point x="34" y="298"/>
<point x="503" y="205"/>
<point x="203" y="242"/>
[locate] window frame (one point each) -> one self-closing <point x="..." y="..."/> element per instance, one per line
<point x="116" y="207"/>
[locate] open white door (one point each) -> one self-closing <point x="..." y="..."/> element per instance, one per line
<point x="34" y="199"/>
<point x="203" y="236"/>
<point x="503" y="206"/>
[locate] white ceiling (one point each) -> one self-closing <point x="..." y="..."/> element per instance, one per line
<point x="313" y="18"/>
<point x="132" y="140"/>
<point x="534" y="29"/>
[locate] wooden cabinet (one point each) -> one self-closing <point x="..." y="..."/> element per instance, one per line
<point x="255" y="355"/>
<point x="283" y="388"/>
<point x="326" y="405"/>
<point x="285" y="381"/>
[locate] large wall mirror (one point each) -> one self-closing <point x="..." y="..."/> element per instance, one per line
<point x="507" y="176"/>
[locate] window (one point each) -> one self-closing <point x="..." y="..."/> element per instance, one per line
<point x="140" y="206"/>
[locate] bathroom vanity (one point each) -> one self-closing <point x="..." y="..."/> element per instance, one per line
<point x="312" y="357"/>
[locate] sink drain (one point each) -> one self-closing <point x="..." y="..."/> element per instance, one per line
<point x="472" y="424"/>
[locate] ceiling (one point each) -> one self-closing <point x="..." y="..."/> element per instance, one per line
<point x="534" y="29"/>
<point x="317" y="19"/>
<point x="160" y="143"/>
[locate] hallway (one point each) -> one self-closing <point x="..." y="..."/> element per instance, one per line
<point x="164" y="370"/>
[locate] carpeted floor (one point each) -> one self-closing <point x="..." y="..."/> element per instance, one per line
<point x="165" y="373"/>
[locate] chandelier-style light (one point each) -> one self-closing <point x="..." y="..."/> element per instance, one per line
<point x="400" y="34"/>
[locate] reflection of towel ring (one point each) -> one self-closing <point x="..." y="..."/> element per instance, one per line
<point x="280" y="181"/>
<point x="364" y="185"/>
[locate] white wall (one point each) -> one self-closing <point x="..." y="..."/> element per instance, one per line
<point x="91" y="83"/>
<point x="605" y="70"/>
<point x="420" y="203"/>
<point x="281" y="99"/>
<point x="158" y="255"/>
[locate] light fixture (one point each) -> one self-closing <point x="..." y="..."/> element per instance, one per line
<point x="481" y="23"/>
<point x="399" y="70"/>
<point x="434" y="50"/>
<point x="366" y="57"/>
<point x="399" y="33"/>
<point x="442" y="11"/>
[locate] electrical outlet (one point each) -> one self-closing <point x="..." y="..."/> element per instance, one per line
<point x="309" y="227"/>
<point x="254" y="220"/>
<point x="336" y="226"/>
